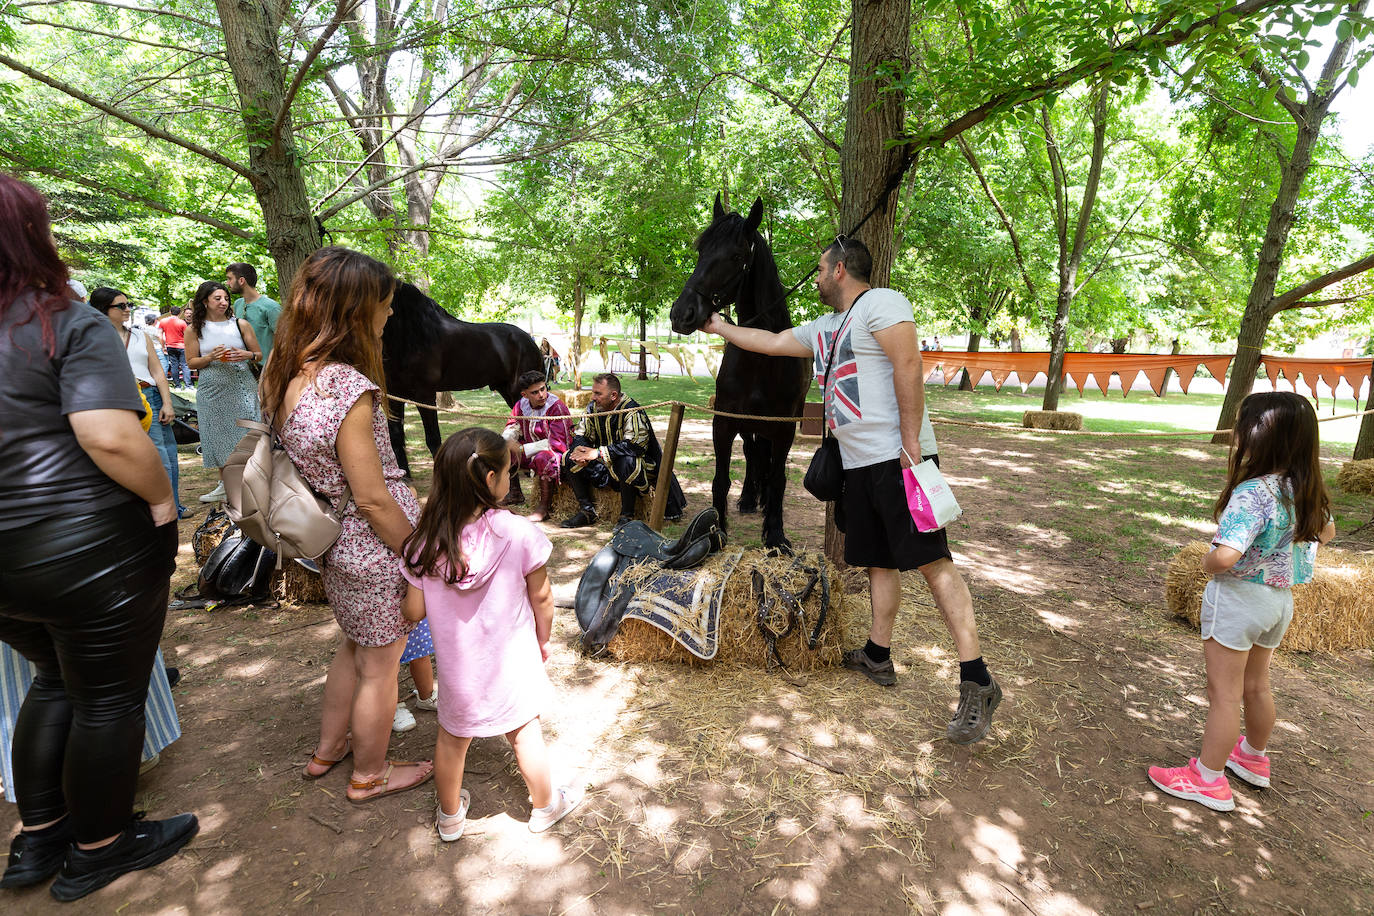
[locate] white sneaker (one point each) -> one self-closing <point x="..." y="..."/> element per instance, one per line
<point x="450" y="826"/>
<point x="404" y="720"/>
<point x="565" y="799"/>
<point x="215" y="495"/>
<point x="431" y="702"/>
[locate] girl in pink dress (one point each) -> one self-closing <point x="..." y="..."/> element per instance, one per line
<point x="477" y="573"/>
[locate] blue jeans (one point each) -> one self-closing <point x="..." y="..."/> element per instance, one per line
<point x="165" y="441"/>
<point x="177" y="369"/>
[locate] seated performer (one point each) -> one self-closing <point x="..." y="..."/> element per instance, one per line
<point x="619" y="451"/>
<point x="537" y="441"/>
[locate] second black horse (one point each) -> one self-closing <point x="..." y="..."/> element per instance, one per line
<point x="735" y="266"/>
<point x="426" y="350"/>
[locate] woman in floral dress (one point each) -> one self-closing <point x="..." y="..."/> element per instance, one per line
<point x="322" y="391"/>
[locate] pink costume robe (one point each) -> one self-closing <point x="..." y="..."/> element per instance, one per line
<point x="542" y="424"/>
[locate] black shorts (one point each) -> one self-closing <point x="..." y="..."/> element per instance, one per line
<point x="878" y="529"/>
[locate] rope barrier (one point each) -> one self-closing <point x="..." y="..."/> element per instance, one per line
<point x="945" y="421"/>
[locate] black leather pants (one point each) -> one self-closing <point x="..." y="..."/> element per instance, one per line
<point x="84" y="598"/>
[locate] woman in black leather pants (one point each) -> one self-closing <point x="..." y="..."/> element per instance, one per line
<point x="88" y="535"/>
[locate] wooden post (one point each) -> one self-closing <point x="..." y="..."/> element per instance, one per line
<point x="665" y="469"/>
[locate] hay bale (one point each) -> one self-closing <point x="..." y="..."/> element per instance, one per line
<point x="741" y="644"/>
<point x="1332" y="612"/>
<point x="1357" y="477"/>
<point x="1051" y="419"/>
<point x="575" y="399"/>
<point x="607" y="505"/>
<point x="292" y="584"/>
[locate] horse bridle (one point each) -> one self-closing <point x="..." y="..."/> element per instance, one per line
<point x="718" y="301"/>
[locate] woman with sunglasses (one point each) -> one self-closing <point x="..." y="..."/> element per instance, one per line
<point x="147" y="369"/>
<point x="88" y="533"/>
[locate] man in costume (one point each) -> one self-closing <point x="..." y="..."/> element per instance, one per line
<point x="538" y="440"/>
<point x="617" y="451"/>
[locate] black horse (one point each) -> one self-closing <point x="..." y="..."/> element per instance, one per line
<point x="736" y="266"/>
<point x="426" y="350"/>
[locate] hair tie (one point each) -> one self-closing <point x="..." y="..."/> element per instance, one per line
<point x="471" y="458"/>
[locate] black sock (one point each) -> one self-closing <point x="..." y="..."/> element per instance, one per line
<point x="976" y="671"/>
<point x="877" y="653"/>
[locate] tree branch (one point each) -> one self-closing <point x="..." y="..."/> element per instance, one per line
<point x="150" y="129"/>
<point x="1298" y="293"/>
<point x="103" y="34"/>
<point x="343" y="9"/>
<point x="780" y="97"/>
<point x="203" y="23"/>
<point x="122" y="194"/>
<point x="1001" y="212"/>
<point x="1270" y="81"/>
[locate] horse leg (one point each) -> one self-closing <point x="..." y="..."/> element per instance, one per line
<point x="396" y="427"/>
<point x="723" y="441"/>
<point x="775" y="487"/>
<point x="430" y="419"/>
<point x="749" y="490"/>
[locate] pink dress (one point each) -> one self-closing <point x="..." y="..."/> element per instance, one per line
<point x="360" y="576"/>
<point x="483" y="627"/>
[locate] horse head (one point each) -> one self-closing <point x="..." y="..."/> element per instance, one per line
<point x="726" y="253"/>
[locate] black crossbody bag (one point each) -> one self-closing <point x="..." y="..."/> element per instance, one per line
<point x="825" y="475"/>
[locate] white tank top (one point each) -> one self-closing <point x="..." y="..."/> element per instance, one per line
<point x="221" y="334"/>
<point x="137" y="350"/>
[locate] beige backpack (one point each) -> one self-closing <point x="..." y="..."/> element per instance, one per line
<point x="272" y="503"/>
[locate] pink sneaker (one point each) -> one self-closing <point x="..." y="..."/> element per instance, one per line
<point x="1186" y="782"/>
<point x="1252" y="768"/>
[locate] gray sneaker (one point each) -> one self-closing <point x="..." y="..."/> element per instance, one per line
<point x="881" y="673"/>
<point x="974" y="714"/>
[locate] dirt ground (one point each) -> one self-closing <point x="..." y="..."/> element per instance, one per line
<point x="723" y="791"/>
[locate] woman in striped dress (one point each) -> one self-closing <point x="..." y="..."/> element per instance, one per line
<point x="219" y="347"/>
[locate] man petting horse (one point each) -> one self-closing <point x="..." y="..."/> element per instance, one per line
<point x="618" y="451"/>
<point x="874" y="403"/>
<point x="538" y="440"/>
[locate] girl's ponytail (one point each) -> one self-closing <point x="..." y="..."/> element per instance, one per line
<point x="459" y="493"/>
<point x="1276" y="433"/>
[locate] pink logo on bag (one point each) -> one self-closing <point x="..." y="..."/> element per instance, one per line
<point x="928" y="497"/>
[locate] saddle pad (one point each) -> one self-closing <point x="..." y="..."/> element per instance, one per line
<point x="684" y="603"/>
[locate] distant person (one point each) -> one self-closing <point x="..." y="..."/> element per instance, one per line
<point x="617" y="451"/>
<point x="1271" y="516"/>
<point x="261" y="312"/>
<point x="173" y="327"/>
<point x="88" y="532"/>
<point x="147" y="370"/>
<point x="479" y="575"/>
<point x="78" y="289"/>
<point x="538" y="440"/>
<point x="155" y="338"/>
<point x="219" y="347"/>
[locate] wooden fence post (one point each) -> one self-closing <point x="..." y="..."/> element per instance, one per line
<point x="665" y="469"/>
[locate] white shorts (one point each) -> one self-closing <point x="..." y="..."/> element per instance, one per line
<point x="1240" y="614"/>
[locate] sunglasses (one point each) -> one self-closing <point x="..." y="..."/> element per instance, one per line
<point x="839" y="240"/>
<point x="122" y="305"/>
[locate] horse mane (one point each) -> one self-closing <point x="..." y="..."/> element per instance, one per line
<point x="416" y="321"/>
<point x="765" y="286"/>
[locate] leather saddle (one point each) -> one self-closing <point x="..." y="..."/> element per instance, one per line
<point x="635" y="542"/>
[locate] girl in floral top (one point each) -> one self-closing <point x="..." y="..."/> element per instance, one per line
<point x="1270" y="518"/>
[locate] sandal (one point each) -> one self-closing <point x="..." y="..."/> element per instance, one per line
<point x="363" y="785"/>
<point x="317" y="760"/>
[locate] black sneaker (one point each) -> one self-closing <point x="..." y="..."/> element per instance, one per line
<point x="34" y="859"/>
<point x="881" y="673"/>
<point x="143" y="844"/>
<point x="581" y="519"/>
<point x="974" y="714"/>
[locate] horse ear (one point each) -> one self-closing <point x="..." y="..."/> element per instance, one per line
<point x="719" y="210"/>
<point x="755" y="215"/>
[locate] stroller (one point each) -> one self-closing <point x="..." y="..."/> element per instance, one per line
<point x="184" y="427"/>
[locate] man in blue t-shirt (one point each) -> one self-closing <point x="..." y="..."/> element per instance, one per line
<point x="258" y="310"/>
<point x="874" y="403"/>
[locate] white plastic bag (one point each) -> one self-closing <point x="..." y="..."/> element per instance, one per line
<point x="928" y="497"/>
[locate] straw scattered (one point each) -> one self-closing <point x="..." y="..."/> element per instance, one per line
<point x="607" y="505"/>
<point x="1357" y="477"/>
<point x="1332" y="612"/>
<point x="575" y="399"/>
<point x="1051" y="419"/>
<point x="292" y="584"/>
<point x="741" y="643"/>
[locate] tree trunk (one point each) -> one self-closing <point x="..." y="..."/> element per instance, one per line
<point x="643" y="354"/>
<point x="1254" y="323"/>
<point x="975" y="340"/>
<point x="881" y="32"/>
<point x="575" y="357"/>
<point x="1015" y="342"/>
<point x="1174" y="350"/>
<point x="1119" y="344"/>
<point x="1364" y="444"/>
<point x="250" y="43"/>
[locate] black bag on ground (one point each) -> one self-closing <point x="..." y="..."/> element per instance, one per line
<point x="238" y="571"/>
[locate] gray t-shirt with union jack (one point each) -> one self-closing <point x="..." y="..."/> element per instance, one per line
<point x="861" y="405"/>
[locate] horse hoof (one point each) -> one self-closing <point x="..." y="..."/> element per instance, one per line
<point x="747" y="507"/>
<point x="777" y="545"/>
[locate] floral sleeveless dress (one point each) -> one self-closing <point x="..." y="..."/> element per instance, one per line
<point x="362" y="576"/>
